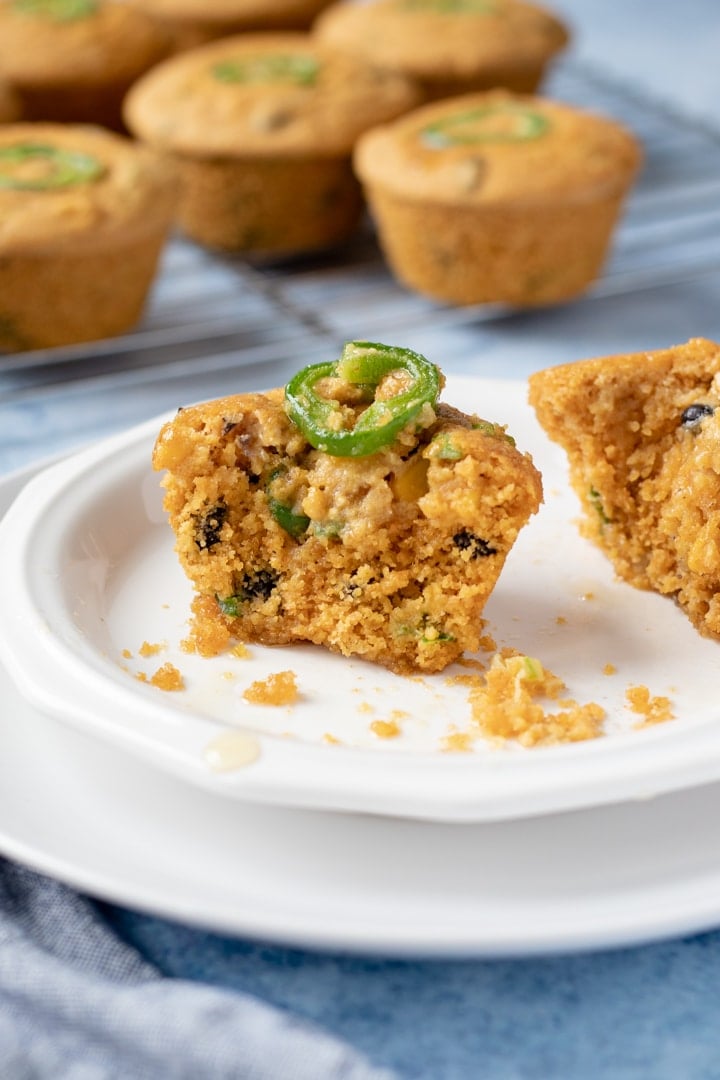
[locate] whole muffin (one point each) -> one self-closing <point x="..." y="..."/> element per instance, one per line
<point x="195" y="22"/>
<point x="450" y="47"/>
<point x="497" y="197"/>
<point x="261" y="130"/>
<point x="73" y="60"/>
<point x="84" y="214"/>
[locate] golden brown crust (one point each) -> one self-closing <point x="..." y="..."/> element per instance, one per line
<point x="89" y="250"/>
<point x="497" y="197"/>
<point x="195" y="22"/>
<point x="646" y="473"/>
<point x="134" y="196"/>
<point x="183" y="106"/>
<point x="401" y="550"/>
<point x="115" y="42"/>
<point x="580" y="156"/>
<point x="503" y="43"/>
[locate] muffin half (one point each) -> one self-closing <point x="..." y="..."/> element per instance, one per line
<point x="349" y="510"/>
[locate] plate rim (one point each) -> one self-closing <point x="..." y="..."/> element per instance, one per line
<point x="460" y="801"/>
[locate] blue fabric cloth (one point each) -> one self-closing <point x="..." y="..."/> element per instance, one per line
<point x="92" y="991"/>
<point x="76" y="1003"/>
<point x="646" y="1013"/>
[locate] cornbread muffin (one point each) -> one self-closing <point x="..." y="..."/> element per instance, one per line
<point x="195" y="22"/>
<point x="642" y="436"/>
<point x="10" y="108"/>
<point x="450" y="47"/>
<point x="497" y="197"/>
<point x="73" y="60"/>
<point x="261" y="129"/>
<point x="83" y="217"/>
<point x="350" y="510"/>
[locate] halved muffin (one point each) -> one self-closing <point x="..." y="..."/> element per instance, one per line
<point x="642" y="436"/>
<point x="350" y="510"/>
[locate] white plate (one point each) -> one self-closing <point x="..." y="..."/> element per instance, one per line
<point x="103" y="821"/>
<point x="88" y="573"/>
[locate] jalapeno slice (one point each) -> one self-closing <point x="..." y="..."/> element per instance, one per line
<point x="362" y="364"/>
<point x="59" y="168"/>
<point x="291" y="68"/>
<point x="57" y="10"/>
<point x="506" y="122"/>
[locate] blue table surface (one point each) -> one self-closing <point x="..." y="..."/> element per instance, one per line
<point x="638" y="1012"/>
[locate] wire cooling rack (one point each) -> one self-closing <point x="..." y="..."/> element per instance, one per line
<point x="210" y="314"/>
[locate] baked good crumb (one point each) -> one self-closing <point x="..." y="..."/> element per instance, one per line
<point x="167" y="677"/>
<point x="279" y="688"/>
<point x="654" y="710"/>
<point x="507" y="704"/>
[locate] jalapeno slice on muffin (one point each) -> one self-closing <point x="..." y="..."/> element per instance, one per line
<point x="30" y="166"/>
<point x="363" y="365"/>
<point x="57" y="10"/>
<point x="505" y="122"/>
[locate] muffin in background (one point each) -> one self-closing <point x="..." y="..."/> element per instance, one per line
<point x="450" y="47"/>
<point x="72" y="61"/>
<point x="196" y="22"/>
<point x="261" y="129"/>
<point x="84" y="214"/>
<point x="497" y="197"/>
<point x="10" y="107"/>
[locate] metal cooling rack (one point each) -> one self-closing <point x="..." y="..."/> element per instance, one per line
<point x="210" y="315"/>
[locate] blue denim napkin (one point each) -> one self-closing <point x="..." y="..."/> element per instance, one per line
<point x="76" y="1003"/>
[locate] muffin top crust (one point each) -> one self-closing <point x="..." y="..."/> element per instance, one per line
<point x="495" y="148"/>
<point x="64" y="184"/>
<point x="426" y="36"/>
<point x="49" y="42"/>
<point x="264" y="94"/>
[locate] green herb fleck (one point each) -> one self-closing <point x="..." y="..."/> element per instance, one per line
<point x="596" y="500"/>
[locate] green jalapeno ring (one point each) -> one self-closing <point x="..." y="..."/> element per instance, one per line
<point x="527" y="124"/>
<point x="66" y="167"/>
<point x="362" y="363"/>
<point x="57" y="10"/>
<point x="299" y="69"/>
<point x="452" y="7"/>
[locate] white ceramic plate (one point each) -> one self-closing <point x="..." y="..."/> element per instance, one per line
<point x="106" y="822"/>
<point x="89" y="574"/>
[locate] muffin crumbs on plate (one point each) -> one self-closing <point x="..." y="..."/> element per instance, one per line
<point x="167" y="677"/>
<point x="386" y="729"/>
<point x="277" y="689"/>
<point x="148" y="649"/>
<point x="504" y="705"/>
<point x="654" y="710"/>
